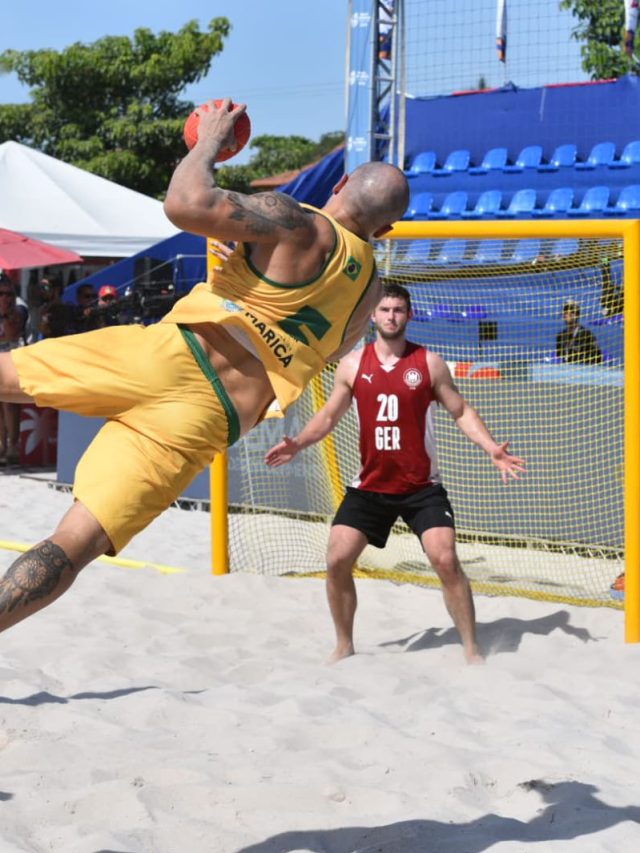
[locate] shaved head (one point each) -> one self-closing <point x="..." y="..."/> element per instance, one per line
<point x="376" y="194"/>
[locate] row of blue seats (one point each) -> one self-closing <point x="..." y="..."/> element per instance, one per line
<point x="559" y="202"/>
<point x="463" y="252"/>
<point x="531" y="157"/>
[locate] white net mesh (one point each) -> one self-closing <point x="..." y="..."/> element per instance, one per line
<point x="493" y="310"/>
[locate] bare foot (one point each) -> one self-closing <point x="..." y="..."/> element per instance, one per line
<point x="340" y="653"/>
<point x="473" y="656"/>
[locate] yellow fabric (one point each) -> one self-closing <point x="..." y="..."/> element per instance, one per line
<point x="165" y="423"/>
<point x="294" y="328"/>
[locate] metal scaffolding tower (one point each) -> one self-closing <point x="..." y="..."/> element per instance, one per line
<point x="388" y="82"/>
<point x="375" y="82"/>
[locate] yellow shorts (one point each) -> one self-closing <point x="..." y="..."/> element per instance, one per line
<point x="167" y="415"/>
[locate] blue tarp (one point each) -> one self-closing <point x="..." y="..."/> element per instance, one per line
<point x="314" y="185"/>
<point x="548" y="116"/>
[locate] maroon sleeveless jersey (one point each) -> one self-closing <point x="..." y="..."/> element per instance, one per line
<point x="393" y="405"/>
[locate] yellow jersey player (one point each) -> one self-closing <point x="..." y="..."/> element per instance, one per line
<point x="296" y="294"/>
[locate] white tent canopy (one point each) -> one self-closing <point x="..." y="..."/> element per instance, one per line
<point x="53" y="201"/>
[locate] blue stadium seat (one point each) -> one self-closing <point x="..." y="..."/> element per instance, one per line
<point x="602" y="154"/>
<point x="453" y="205"/>
<point x="423" y="163"/>
<point x="475" y="312"/>
<point x="595" y="200"/>
<point x="488" y="252"/>
<point x="529" y="158"/>
<point x="443" y="311"/>
<point x="488" y="204"/>
<point x="495" y="158"/>
<point x="564" y="248"/>
<point x="522" y="203"/>
<point x="457" y="161"/>
<point x="629" y="157"/>
<point x="420" y="206"/>
<point x="525" y="251"/>
<point x="558" y="202"/>
<point x="628" y="201"/>
<point x="451" y="252"/>
<point x="564" y="155"/>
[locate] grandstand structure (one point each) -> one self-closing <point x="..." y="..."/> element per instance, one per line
<point x="523" y="194"/>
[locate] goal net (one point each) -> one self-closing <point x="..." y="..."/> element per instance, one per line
<point x="493" y="308"/>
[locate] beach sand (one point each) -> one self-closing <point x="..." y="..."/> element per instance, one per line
<point x="184" y="713"/>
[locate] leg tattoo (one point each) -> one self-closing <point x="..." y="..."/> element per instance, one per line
<point x="35" y="575"/>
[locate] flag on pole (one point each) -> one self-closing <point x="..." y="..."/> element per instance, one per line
<point x="630" y="25"/>
<point x="501" y="29"/>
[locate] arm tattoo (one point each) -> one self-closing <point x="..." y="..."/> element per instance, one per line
<point x="34" y="575"/>
<point x="265" y="213"/>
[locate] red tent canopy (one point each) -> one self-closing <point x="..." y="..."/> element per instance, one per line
<point x="18" y="251"/>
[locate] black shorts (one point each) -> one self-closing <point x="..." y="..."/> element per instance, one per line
<point x="375" y="513"/>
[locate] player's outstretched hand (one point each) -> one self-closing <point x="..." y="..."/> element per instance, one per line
<point x="281" y="453"/>
<point x="507" y="464"/>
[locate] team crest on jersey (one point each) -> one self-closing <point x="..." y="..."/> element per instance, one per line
<point x="412" y="377"/>
<point x="352" y="269"/>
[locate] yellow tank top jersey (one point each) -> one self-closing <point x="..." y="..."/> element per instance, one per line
<point x="294" y="327"/>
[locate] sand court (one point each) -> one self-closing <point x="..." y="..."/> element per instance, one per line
<point x="151" y="713"/>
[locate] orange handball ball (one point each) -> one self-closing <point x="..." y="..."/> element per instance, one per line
<point x="242" y="129"/>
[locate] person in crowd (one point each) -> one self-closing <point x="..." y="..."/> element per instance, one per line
<point x="296" y="293"/>
<point x="108" y="308"/>
<point x="575" y="344"/>
<point x="56" y="318"/>
<point x="85" y="308"/>
<point x="394" y="385"/>
<point x="13" y="321"/>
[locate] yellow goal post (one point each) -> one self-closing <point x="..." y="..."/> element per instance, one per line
<point x="282" y="519"/>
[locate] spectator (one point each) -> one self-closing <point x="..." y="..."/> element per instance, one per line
<point x="13" y="321"/>
<point x="85" y="313"/>
<point x="575" y="344"/>
<point x="108" y="313"/>
<point x="56" y="317"/>
<point x="612" y="296"/>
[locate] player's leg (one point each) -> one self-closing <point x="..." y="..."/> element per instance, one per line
<point x="362" y="518"/>
<point x="440" y="548"/>
<point x="40" y="576"/>
<point x="430" y="515"/>
<point x="345" y="546"/>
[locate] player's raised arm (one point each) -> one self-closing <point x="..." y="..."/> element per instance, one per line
<point x="195" y="203"/>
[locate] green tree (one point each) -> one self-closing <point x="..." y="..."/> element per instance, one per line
<point x="275" y="154"/>
<point x="113" y="107"/>
<point x="600" y="31"/>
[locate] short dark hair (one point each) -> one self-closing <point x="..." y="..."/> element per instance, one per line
<point x="398" y="292"/>
<point x="571" y="305"/>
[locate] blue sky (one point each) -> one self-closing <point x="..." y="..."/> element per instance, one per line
<point x="284" y="58"/>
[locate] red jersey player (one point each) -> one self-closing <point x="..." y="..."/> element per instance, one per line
<point x="393" y="384"/>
